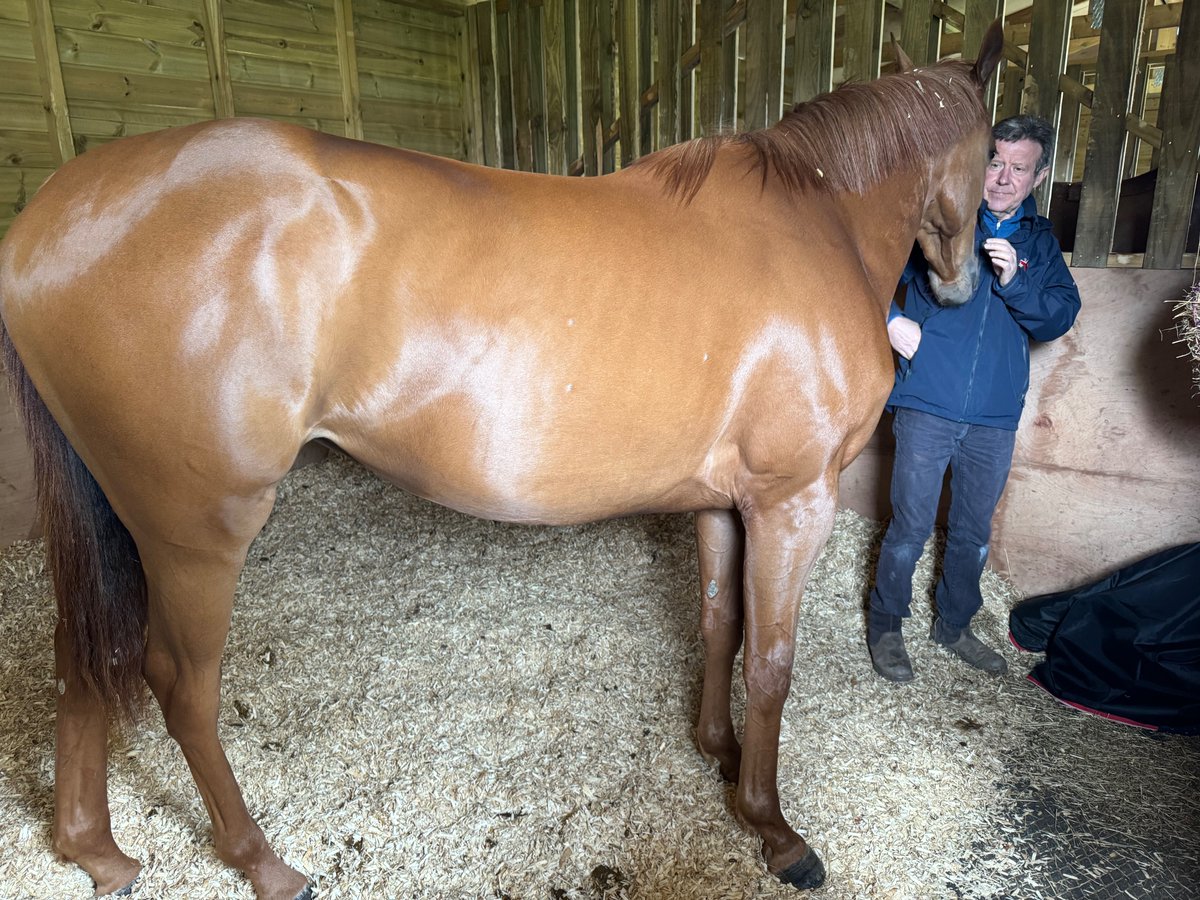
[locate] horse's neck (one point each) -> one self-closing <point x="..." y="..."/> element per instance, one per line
<point x="883" y="223"/>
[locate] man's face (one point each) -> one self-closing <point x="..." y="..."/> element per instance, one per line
<point x="1012" y="175"/>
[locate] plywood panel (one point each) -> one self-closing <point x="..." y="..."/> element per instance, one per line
<point x="1107" y="461"/>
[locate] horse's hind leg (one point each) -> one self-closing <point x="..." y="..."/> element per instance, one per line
<point x="719" y="544"/>
<point x="82" y="831"/>
<point x="190" y="604"/>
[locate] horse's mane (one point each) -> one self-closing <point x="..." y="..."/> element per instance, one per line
<point x="847" y="140"/>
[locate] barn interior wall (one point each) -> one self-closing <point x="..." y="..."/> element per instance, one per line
<point x="131" y="67"/>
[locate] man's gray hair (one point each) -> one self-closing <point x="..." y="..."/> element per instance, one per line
<point x="1033" y="128"/>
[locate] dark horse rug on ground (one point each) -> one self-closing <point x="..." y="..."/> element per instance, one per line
<point x="1127" y="647"/>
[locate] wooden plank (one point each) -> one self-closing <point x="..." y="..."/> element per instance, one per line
<point x="472" y="107"/>
<point x="1179" y="112"/>
<point x="1068" y="136"/>
<point x="711" y="63"/>
<point x="764" y="62"/>
<point x="977" y="18"/>
<point x="589" y="77"/>
<point x="920" y="32"/>
<point x="812" y="53"/>
<point x="1014" y="85"/>
<point x="537" y="84"/>
<point x="730" y="69"/>
<point x="348" y="69"/>
<point x="1120" y="39"/>
<point x="669" y="73"/>
<point x="219" y="81"/>
<point x="506" y="84"/>
<point x="554" y="66"/>
<point x="863" y="40"/>
<point x="518" y="22"/>
<point x="687" y="80"/>
<point x="20" y="148"/>
<point x="50" y="78"/>
<point x="648" y="122"/>
<point x="572" y="91"/>
<point x="608" y="87"/>
<point x="1048" y="41"/>
<point x="629" y="56"/>
<point x="483" y="19"/>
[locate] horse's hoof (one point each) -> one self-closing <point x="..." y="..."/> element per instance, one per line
<point x="306" y="894"/>
<point x="128" y="889"/>
<point x="805" y="873"/>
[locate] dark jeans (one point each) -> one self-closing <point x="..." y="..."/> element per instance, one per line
<point x="979" y="458"/>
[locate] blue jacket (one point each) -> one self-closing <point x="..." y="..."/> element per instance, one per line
<point x="972" y="364"/>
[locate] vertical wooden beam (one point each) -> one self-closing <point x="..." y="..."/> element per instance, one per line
<point x="764" y="62"/>
<point x="712" y="64"/>
<point x="554" y="65"/>
<point x="1014" y="86"/>
<point x="863" y="40"/>
<point x="537" y="85"/>
<point x="482" y="17"/>
<point x="1120" y="38"/>
<point x="687" y="84"/>
<point x="572" y="97"/>
<point x="348" y="71"/>
<point x="1179" y="113"/>
<point x="1049" y="34"/>
<point x="1068" y="139"/>
<point x="731" y="50"/>
<point x="506" y="84"/>
<point x="1138" y="108"/>
<point x="518" y="16"/>
<point x="218" y="61"/>
<point x="978" y="16"/>
<point x="469" y="55"/>
<point x="777" y="63"/>
<point x="608" y="92"/>
<point x="920" y="31"/>
<point x="589" y="64"/>
<point x="645" y="67"/>
<point x="669" y="53"/>
<point x="630" y="58"/>
<point x="54" y="94"/>
<point x="812" y="53"/>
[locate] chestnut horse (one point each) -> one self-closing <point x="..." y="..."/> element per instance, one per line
<point x="700" y="332"/>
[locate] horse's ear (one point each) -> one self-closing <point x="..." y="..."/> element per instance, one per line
<point x="990" y="52"/>
<point x="903" y="63"/>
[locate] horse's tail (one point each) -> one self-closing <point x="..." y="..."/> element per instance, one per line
<point x="92" y="558"/>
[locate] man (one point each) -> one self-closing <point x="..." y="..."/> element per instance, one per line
<point x="959" y="391"/>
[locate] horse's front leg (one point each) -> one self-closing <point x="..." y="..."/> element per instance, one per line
<point x="783" y="540"/>
<point x="720" y="540"/>
<point x="82" y="831"/>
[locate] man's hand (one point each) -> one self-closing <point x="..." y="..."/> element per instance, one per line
<point x="1004" y="258"/>
<point x="905" y="335"/>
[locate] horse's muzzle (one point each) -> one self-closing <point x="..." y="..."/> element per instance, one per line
<point x="961" y="289"/>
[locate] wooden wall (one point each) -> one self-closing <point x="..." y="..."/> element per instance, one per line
<point x="1107" y="464"/>
<point x="392" y="71"/>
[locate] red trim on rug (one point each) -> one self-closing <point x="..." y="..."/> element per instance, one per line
<point x="1092" y="712"/>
